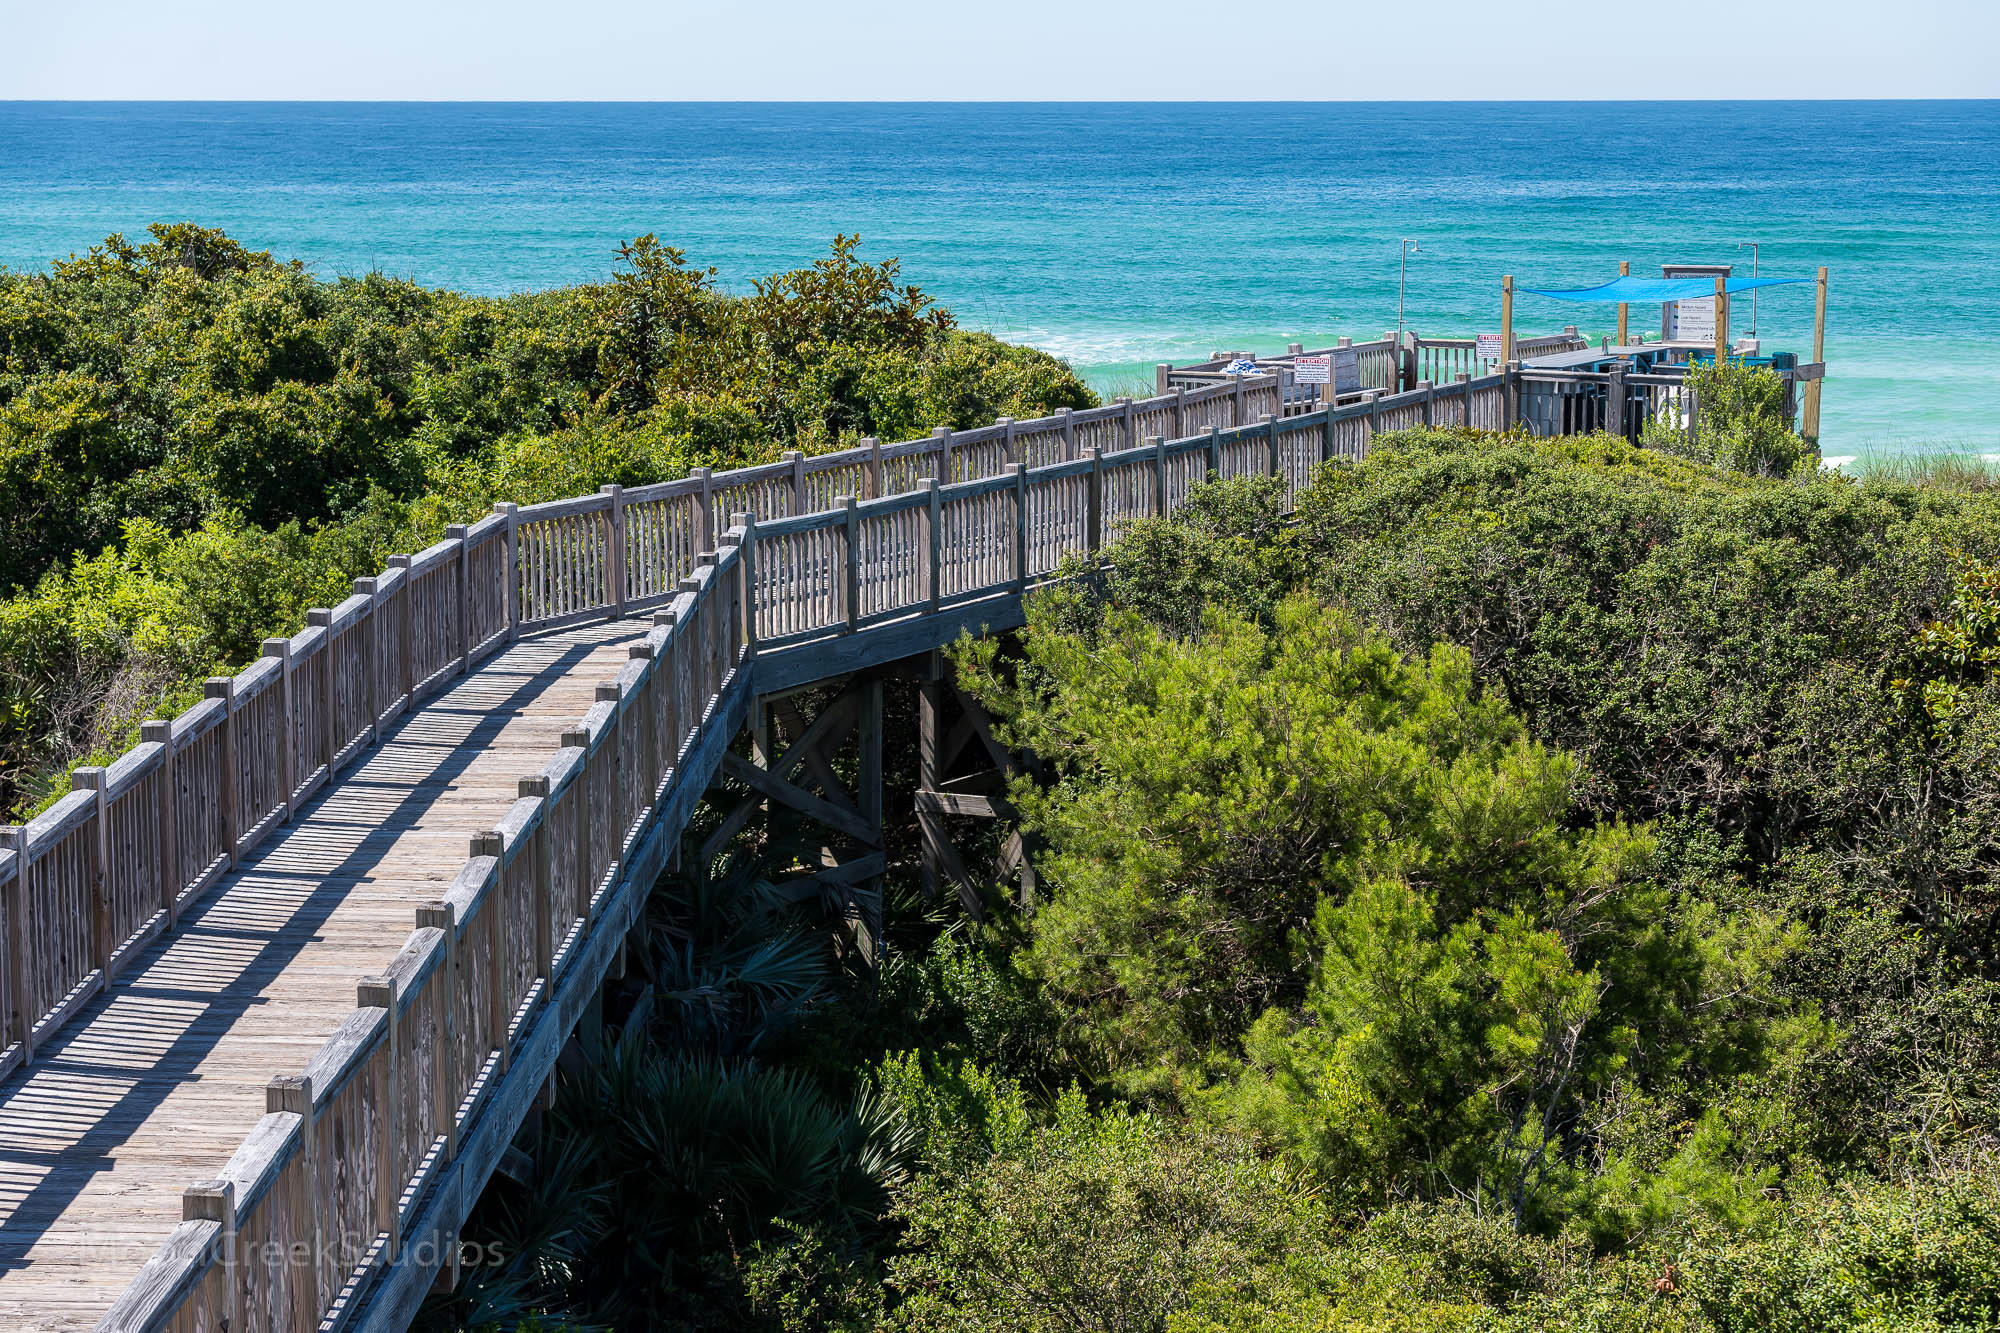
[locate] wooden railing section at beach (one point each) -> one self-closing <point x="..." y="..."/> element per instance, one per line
<point x="367" y="1159"/>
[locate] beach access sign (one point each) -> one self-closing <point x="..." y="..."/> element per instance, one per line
<point x="1488" y="348"/>
<point x="1312" y="370"/>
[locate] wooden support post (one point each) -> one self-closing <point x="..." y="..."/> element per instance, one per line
<point x="406" y="651"/>
<point x="1510" y="395"/>
<point x="288" y="708"/>
<point x="871" y="474"/>
<point x="1624" y="271"/>
<point x="329" y="713"/>
<point x="1069" y="434"/>
<point x="380" y="993"/>
<point x="1127" y="421"/>
<point x="461" y="604"/>
<point x="868" y="795"/>
<point x="162" y="734"/>
<point x="1614" y="402"/>
<point x="1020" y="471"/>
<point x="934" y="542"/>
<point x="1809" y="412"/>
<point x="1180" y="411"/>
<point x="215" y="1201"/>
<point x="495" y="999"/>
<point x="1270" y="424"/>
<point x="586" y="886"/>
<point x="224" y="688"/>
<point x="930" y="702"/>
<point x="1214" y="452"/>
<point x="800" y="503"/>
<point x="1161" y="370"/>
<point x="851" y="548"/>
<point x="1094" y="520"/>
<point x="371" y="657"/>
<point x="1507" y="319"/>
<point x="1158" y="444"/>
<point x="747" y="577"/>
<point x="941" y="442"/>
<point x="614" y="540"/>
<point x="24" y="1003"/>
<point x="443" y="917"/>
<point x="512" y="513"/>
<point x="294" y="1093"/>
<point x="704" y="509"/>
<point x="1721" y="320"/>
<point x="101" y="944"/>
<point x="1236" y="407"/>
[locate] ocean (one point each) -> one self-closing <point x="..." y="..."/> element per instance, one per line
<point x="1117" y="235"/>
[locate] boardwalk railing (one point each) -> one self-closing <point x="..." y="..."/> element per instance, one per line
<point x="347" y="1196"/>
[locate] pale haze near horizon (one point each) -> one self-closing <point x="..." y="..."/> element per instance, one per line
<point x="1032" y="50"/>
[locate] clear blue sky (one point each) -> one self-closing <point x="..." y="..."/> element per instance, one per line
<point x="869" y="50"/>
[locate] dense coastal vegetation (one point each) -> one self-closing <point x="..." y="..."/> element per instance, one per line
<point x="1542" y="883"/>
<point x="198" y="441"/>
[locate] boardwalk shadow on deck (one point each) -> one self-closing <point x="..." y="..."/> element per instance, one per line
<point x="244" y="932"/>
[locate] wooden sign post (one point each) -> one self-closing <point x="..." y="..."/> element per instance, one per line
<point x="1721" y="319"/>
<point x="1507" y="319"/>
<point x="1809" y="423"/>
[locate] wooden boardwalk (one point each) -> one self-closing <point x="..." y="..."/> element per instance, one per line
<point x="281" y="983"/>
<point x="160" y="1080"/>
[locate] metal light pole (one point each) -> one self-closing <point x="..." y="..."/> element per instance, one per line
<point x="1410" y="247"/>
<point x="1753" y="290"/>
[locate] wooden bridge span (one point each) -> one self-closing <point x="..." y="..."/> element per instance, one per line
<point x="269" y="1028"/>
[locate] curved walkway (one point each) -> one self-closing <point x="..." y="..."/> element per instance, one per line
<point x="158" y="1083"/>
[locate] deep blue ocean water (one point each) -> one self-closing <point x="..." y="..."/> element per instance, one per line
<point x="1118" y="234"/>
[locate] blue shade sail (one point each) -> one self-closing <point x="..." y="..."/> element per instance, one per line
<point x="1639" y="290"/>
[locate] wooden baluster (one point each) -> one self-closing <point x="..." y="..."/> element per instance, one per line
<point x="1127" y="422"/>
<point x="162" y="734"/>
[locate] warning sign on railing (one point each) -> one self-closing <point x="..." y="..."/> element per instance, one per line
<point x="1488" y="348"/>
<point x="1312" y="370"/>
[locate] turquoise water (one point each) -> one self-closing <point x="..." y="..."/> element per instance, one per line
<point x="1118" y="234"/>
